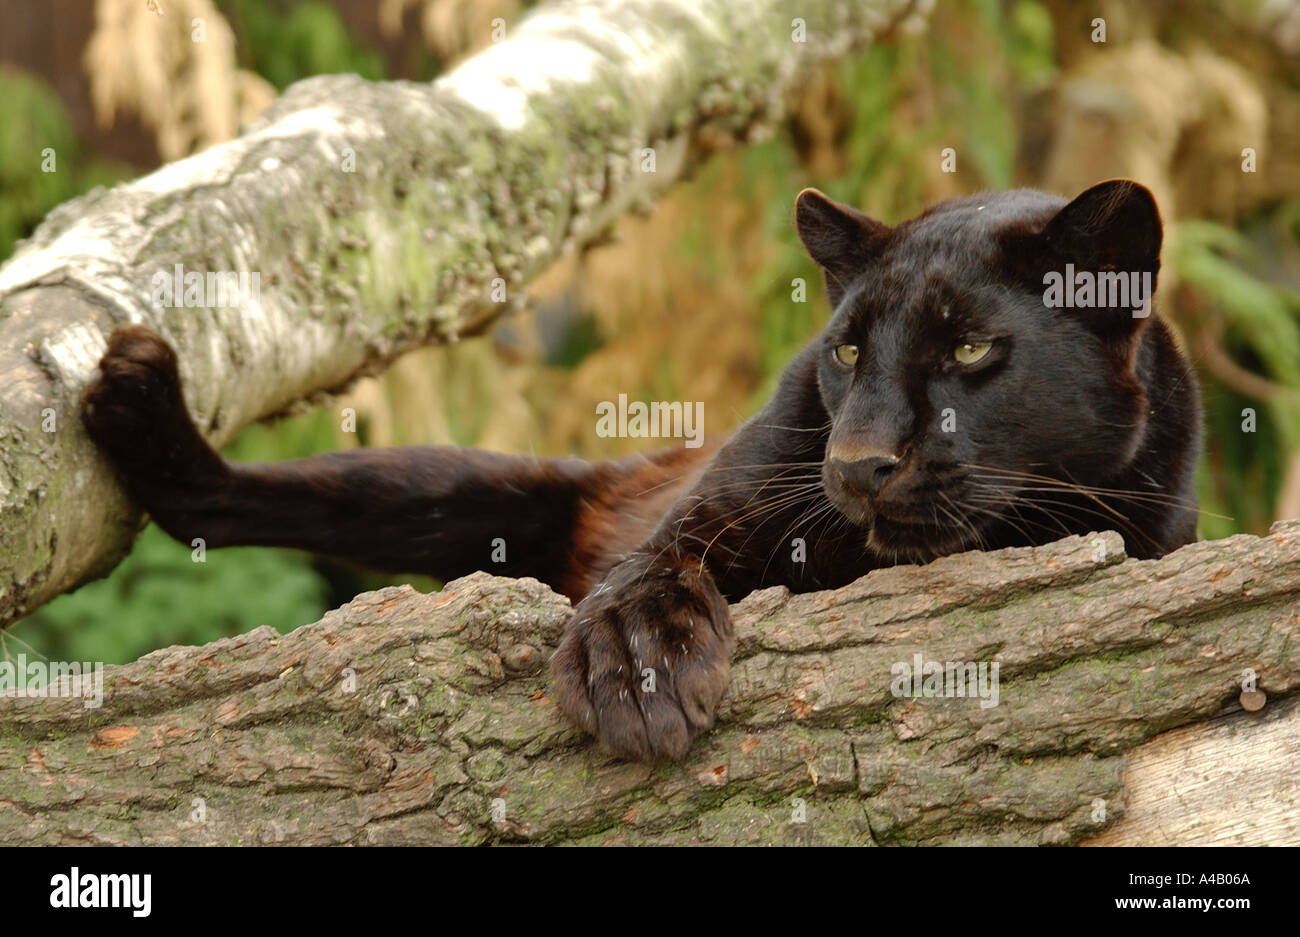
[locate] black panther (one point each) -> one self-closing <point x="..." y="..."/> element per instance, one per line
<point x="948" y="405"/>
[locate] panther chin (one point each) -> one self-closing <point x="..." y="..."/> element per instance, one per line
<point x="915" y="542"/>
<point x="901" y="532"/>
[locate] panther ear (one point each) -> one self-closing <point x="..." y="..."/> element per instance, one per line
<point x="1108" y="237"/>
<point x="840" y="239"/>
<point x="1114" y="226"/>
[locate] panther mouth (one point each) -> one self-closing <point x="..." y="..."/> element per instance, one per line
<point x="908" y="523"/>
<point x="915" y="530"/>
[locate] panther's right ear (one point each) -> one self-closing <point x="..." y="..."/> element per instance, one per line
<point x="841" y="239"/>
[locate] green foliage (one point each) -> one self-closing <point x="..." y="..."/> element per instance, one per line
<point x="34" y="120"/>
<point x="1227" y="275"/>
<point x="1263" y="317"/>
<point x="286" y="42"/>
<point x="159" y="596"/>
<point x="580" y="337"/>
<point x="1028" y="40"/>
<point x="288" y="438"/>
<point x="1241" y="472"/>
<point x="974" y="100"/>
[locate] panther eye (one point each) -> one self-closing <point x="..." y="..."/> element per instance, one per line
<point x="846" y="355"/>
<point x="971" y="352"/>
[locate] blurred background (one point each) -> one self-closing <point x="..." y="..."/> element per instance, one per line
<point x="1198" y="100"/>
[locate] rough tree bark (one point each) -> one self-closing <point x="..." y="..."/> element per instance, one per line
<point x="409" y="718"/>
<point x="526" y="151"/>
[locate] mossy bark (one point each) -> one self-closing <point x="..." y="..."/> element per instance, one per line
<point x="378" y="216"/>
<point x="410" y="718"/>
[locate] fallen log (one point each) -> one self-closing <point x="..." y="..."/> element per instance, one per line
<point x="411" y="718"/>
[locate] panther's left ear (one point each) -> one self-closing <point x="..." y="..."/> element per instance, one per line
<point x="1113" y="226"/>
<point x="1100" y="255"/>
<point x="841" y="239"/>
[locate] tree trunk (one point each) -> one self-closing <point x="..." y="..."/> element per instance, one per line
<point x="378" y="216"/>
<point x="410" y="718"/>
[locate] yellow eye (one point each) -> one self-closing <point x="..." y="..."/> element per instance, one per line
<point x="971" y="352"/>
<point x="846" y="355"/>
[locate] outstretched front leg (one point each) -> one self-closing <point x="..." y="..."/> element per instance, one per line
<point x="438" y="510"/>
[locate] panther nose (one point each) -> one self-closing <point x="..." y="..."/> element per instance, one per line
<point x="867" y="475"/>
